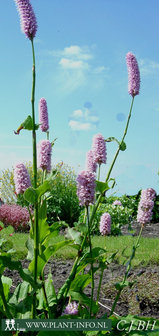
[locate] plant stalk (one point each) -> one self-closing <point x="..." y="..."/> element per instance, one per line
<point x="127" y="271"/>
<point x="36" y="248"/>
<point x="8" y="314"/>
<point x="92" y="275"/>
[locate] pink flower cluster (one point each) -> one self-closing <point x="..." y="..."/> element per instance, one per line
<point x="15" y="215"/>
<point x="86" y="187"/>
<point x="21" y="178"/>
<point x="71" y="309"/>
<point x="27" y="18"/>
<point x="105" y="224"/>
<point x="133" y="75"/>
<point x="44" y="157"/>
<point x="91" y="165"/>
<point x="117" y="202"/>
<point x="43" y="115"/>
<point x="146" y="204"/>
<point x="99" y="149"/>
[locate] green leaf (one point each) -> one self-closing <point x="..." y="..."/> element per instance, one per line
<point x="110" y="139"/>
<point x="47" y="253"/>
<point x="6" y="261"/>
<point x="28" y="123"/>
<point x="7" y="283"/>
<point x="121" y="285"/>
<point x="42" y="223"/>
<point x="30" y="246"/>
<point x="74" y="235"/>
<point x="43" y="188"/>
<point x="102" y="186"/>
<point x="80" y="282"/>
<point x="21" y="301"/>
<point x="123" y="146"/>
<point x="30" y="195"/>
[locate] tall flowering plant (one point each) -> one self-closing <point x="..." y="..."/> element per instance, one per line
<point x="39" y="298"/>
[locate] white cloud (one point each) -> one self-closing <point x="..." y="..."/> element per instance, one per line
<point x="148" y="67"/>
<point x="83" y="120"/>
<point x="79" y="126"/>
<point x="72" y="64"/>
<point x="76" y="68"/>
<point x="77" y="113"/>
<point x="76" y="51"/>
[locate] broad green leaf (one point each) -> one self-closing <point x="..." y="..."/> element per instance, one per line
<point x="74" y="235"/>
<point x="123" y="146"/>
<point x="102" y="186"/>
<point x="47" y="254"/>
<point x="5" y="261"/>
<point x="42" y="223"/>
<point x="50" y="293"/>
<point x="30" y="247"/>
<point x="21" y="301"/>
<point x="80" y="282"/>
<point x="7" y="283"/>
<point x="43" y="188"/>
<point x="30" y="195"/>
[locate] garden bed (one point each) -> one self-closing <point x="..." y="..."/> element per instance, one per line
<point x="142" y="299"/>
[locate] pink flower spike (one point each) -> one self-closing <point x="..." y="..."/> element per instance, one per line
<point x="91" y="165"/>
<point x="133" y="75"/>
<point x="21" y="178"/>
<point x="105" y="224"/>
<point x="44" y="155"/>
<point x="99" y="149"/>
<point x="43" y="115"/>
<point x="86" y="187"/>
<point x="27" y="18"/>
<point x="145" y="207"/>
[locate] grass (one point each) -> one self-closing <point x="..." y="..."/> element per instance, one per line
<point x="146" y="254"/>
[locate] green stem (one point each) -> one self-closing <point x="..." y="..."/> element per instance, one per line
<point x="127" y="271"/>
<point x="92" y="275"/>
<point x="118" y="150"/>
<point x="36" y="247"/>
<point x="100" y="283"/>
<point x="112" y="165"/>
<point x="99" y="171"/>
<point x="8" y="314"/>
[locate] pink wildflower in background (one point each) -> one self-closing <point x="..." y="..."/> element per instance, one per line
<point x="99" y="149"/>
<point x="105" y="224"/>
<point x="27" y="18"/>
<point x="133" y="75"/>
<point x="71" y="309"/>
<point x="91" y="165"/>
<point x="15" y="215"/>
<point x="145" y="207"/>
<point x="117" y="202"/>
<point x="44" y="155"/>
<point x="43" y="115"/>
<point x="86" y="187"/>
<point x="21" y="178"/>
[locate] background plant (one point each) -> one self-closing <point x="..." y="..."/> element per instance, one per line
<point x="63" y="203"/>
<point x="119" y="215"/>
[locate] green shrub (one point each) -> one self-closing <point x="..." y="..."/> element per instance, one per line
<point x="63" y="203"/>
<point x="120" y="216"/>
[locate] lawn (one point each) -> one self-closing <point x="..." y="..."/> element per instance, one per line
<point x="146" y="253"/>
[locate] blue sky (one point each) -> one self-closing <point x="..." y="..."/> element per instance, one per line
<point x="81" y="71"/>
